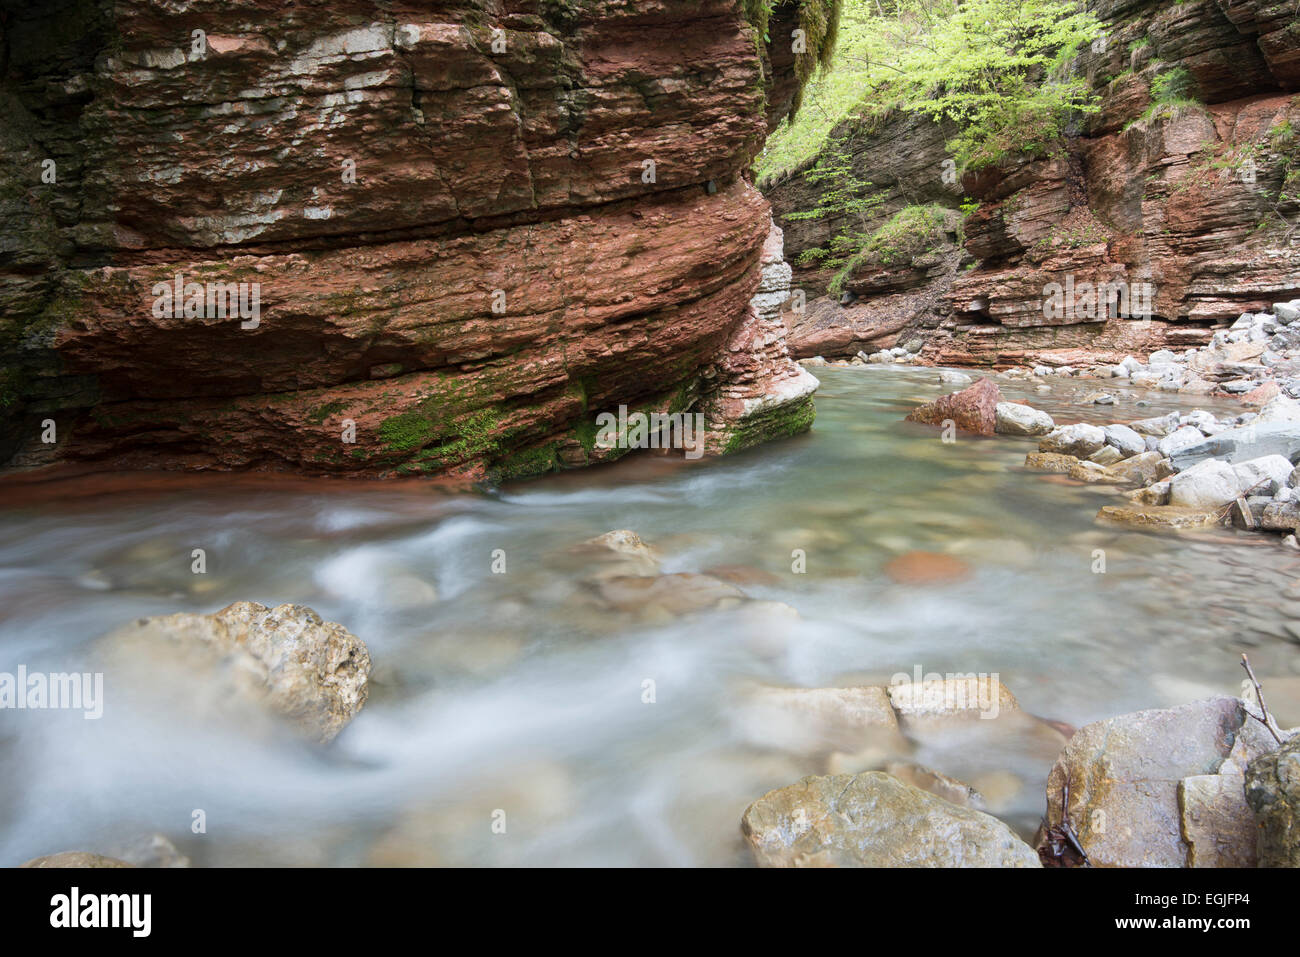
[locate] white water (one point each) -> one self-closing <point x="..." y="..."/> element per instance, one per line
<point x="516" y="692"/>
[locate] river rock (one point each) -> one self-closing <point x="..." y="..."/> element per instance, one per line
<point x="618" y="553"/>
<point x="973" y="409"/>
<point x="1089" y="471"/>
<point x="1207" y="484"/>
<point x="1106" y="455"/>
<point x="1144" y="515"/>
<point x="1050" y="462"/>
<point x="1142" y="469"/>
<point x="1273" y="794"/>
<point x="954" y="378"/>
<point x="1279" y="409"/>
<point x="1079" y="440"/>
<point x="1281" y="516"/>
<point x="1184" y="437"/>
<point x="936" y="783"/>
<point x="311" y="671"/>
<point x="819" y="720"/>
<point x="1287" y="312"/>
<point x="1126" y="440"/>
<point x="966" y="696"/>
<point x="1016" y="419"/>
<point x="1242" y="444"/>
<point x="875" y="820"/>
<point x="77" y="859"/>
<point x="1158" y="426"/>
<point x="664" y="597"/>
<point x="1125" y="775"/>
<point x="1218" y="825"/>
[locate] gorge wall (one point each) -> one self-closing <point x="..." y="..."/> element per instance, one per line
<point x="1187" y="179"/>
<point x="472" y="226"/>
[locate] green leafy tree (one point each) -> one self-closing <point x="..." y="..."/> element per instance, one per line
<point x="995" y="72"/>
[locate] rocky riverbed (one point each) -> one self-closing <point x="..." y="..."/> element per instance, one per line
<point x="769" y="599"/>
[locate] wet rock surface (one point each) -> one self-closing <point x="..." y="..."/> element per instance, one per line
<point x="875" y="820"/>
<point x="312" y="672"/>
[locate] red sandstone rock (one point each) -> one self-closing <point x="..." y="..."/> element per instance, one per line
<point x="499" y="270"/>
<point x="1261" y="394"/>
<point x="973" y="409"/>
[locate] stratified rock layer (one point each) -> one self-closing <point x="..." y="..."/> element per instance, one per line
<point x="1195" y="199"/>
<point x="472" y="229"/>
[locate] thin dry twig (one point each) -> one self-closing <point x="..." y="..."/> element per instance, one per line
<point x="1266" y="721"/>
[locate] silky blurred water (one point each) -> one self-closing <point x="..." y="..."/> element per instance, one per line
<point x="518" y="693"/>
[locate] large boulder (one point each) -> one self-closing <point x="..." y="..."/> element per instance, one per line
<point x="311" y="671"/>
<point x="1242" y="444"/>
<point x="874" y="820"/>
<point x="1212" y="483"/>
<point x="1273" y="792"/>
<point x="1206" y="485"/>
<point x="973" y="409"/>
<point x="1016" y="419"/>
<point x="1126" y="774"/>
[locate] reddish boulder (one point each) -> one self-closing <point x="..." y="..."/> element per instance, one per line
<point x="973" y="409"/>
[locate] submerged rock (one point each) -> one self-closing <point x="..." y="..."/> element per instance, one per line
<point x="936" y="783"/>
<point x="875" y="820"/>
<point x="618" y="553"/>
<point x="973" y="409"/>
<point x="926" y="568"/>
<point x="311" y="671"/>
<point x="820" y="720"/>
<point x="663" y="597"/>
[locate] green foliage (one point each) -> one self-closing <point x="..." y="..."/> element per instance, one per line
<point x="818" y="19"/>
<point x="1171" y="91"/>
<point x="842" y="197"/>
<point x="911" y="230"/>
<point x="1173" y="86"/>
<point x="1282" y="136"/>
<point x="996" y="71"/>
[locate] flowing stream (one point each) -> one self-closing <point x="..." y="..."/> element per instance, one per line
<point x="520" y="693"/>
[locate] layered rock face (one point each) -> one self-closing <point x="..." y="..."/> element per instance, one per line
<point x="424" y="238"/>
<point x="1184" y="187"/>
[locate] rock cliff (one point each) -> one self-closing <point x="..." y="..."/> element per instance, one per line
<point x="417" y="238"/>
<point x="1185" y="181"/>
